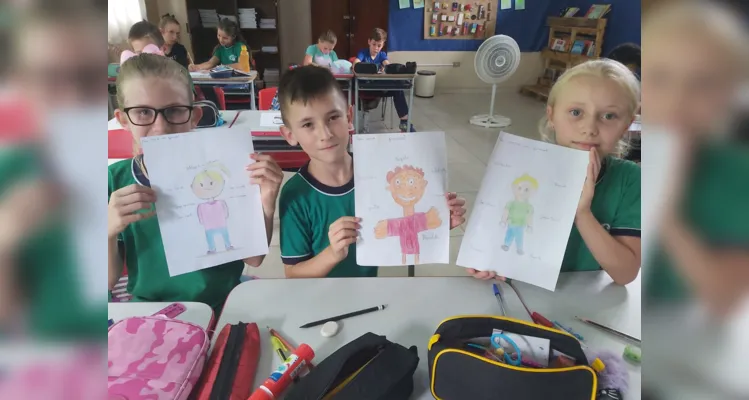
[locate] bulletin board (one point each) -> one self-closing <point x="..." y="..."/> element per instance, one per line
<point x="460" y="19"/>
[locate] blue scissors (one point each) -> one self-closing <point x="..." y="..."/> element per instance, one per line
<point x="496" y="340"/>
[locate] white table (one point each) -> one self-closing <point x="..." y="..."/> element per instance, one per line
<point x="416" y="306"/>
<point x="196" y="313"/>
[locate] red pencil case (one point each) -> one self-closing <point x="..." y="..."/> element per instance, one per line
<point x="230" y="371"/>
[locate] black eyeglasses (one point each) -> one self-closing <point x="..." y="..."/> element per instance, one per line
<point x="144" y="116"/>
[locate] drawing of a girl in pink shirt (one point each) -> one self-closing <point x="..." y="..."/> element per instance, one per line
<point x="407" y="186"/>
<point x="207" y="185"/>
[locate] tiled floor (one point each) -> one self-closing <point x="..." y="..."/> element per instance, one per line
<point x="468" y="150"/>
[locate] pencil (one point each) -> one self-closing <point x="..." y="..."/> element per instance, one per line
<point x="286" y="344"/>
<point x="609" y="330"/>
<point x="343" y="316"/>
<point x="234" y="120"/>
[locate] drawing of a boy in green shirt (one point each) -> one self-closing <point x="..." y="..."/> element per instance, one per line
<point x="518" y="213"/>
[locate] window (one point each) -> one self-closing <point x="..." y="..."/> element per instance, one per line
<point x="122" y="15"/>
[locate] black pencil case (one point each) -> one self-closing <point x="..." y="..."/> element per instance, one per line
<point x="368" y="368"/>
<point x="365" y="68"/>
<point x="457" y="372"/>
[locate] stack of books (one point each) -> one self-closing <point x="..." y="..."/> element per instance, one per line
<point x="270" y="49"/>
<point x="231" y="17"/>
<point x="267" y="23"/>
<point x="247" y="18"/>
<point x="208" y="18"/>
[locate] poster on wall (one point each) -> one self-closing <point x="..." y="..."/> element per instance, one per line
<point x="404" y="4"/>
<point x="418" y="3"/>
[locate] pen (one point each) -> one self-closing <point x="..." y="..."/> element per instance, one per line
<point x="500" y="299"/>
<point x="609" y="330"/>
<point x="343" y="316"/>
<point x="568" y="330"/>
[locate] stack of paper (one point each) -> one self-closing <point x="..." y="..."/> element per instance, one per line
<point x="247" y="18"/>
<point x="270" y="49"/>
<point x="209" y="18"/>
<point x="271" y="76"/>
<point x="231" y="17"/>
<point x="268" y="23"/>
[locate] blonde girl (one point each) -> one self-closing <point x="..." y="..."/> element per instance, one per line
<point x="695" y="61"/>
<point x="155" y="97"/>
<point x="170" y="30"/>
<point x="590" y="108"/>
<point x="212" y="214"/>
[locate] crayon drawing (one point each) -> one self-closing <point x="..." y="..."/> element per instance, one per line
<point x="407" y="186"/>
<point x="401" y="182"/>
<point x="517" y="216"/>
<point x="212" y="214"/>
<point x="208" y="212"/>
<point x="523" y="214"/>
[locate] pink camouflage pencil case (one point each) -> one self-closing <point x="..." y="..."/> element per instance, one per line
<point x="155" y="358"/>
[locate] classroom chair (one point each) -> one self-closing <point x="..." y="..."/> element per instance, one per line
<point x="367" y="102"/>
<point x="265" y="98"/>
<point x="215" y="94"/>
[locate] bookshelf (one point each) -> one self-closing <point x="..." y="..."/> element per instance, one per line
<point x="572" y="40"/>
<point x="263" y="42"/>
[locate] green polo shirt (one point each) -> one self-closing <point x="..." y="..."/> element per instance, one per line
<point x="46" y="269"/>
<point x="716" y="209"/>
<point x="616" y="205"/>
<point x="148" y="274"/>
<point x="229" y="55"/>
<point x="518" y="212"/>
<point x="306" y="209"/>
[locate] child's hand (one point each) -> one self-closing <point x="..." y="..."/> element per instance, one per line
<point x="457" y="207"/>
<point x="266" y="173"/>
<point x="594" y="167"/>
<point x="343" y="233"/>
<point x="433" y="218"/>
<point x="192" y="68"/>
<point x="22" y="210"/>
<point x="484" y="275"/>
<point x="124" y="207"/>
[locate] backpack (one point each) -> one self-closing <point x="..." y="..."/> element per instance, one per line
<point x="155" y="357"/>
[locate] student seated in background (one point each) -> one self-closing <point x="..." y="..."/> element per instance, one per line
<point x="144" y="33"/>
<point x="169" y="28"/>
<point x="316" y="206"/>
<point x="322" y="53"/>
<point x="229" y="48"/>
<point x="374" y="54"/>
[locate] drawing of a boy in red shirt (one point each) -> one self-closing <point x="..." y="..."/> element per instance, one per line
<point x="407" y="186"/>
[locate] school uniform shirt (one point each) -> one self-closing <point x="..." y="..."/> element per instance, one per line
<point x="306" y="209"/>
<point x="178" y="54"/>
<point x="616" y="206"/>
<point x="148" y="274"/>
<point x="320" y="58"/>
<point x="47" y="271"/>
<point x="715" y="209"/>
<point x="229" y="55"/>
<point x="365" y="56"/>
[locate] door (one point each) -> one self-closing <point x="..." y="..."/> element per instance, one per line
<point x="333" y="15"/>
<point x="367" y="15"/>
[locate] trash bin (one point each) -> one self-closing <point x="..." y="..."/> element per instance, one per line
<point x="424" y="83"/>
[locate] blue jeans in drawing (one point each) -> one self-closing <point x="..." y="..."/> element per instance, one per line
<point x="210" y="238"/>
<point x="514" y="232"/>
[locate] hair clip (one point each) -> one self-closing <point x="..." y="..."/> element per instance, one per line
<point x="150" y="49"/>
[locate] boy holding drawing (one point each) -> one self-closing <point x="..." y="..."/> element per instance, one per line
<point x="590" y="108"/>
<point x="155" y="96"/>
<point x="317" y="205"/>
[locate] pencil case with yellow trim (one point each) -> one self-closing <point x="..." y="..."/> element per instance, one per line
<point x="368" y="368"/>
<point x="458" y="372"/>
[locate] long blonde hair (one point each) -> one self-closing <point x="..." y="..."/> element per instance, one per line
<point x="151" y="65"/>
<point x="603" y="68"/>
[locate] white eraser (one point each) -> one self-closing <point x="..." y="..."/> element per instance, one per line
<point x="329" y="329"/>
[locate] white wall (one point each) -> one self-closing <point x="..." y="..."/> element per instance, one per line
<point x="463" y="78"/>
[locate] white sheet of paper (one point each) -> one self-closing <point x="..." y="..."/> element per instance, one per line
<point x="271" y="119"/>
<point x="208" y="212"/>
<point x="397" y="174"/>
<point x="541" y="183"/>
<point x="200" y="74"/>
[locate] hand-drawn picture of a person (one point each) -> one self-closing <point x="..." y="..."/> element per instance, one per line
<point x="518" y="213"/>
<point x="407" y="186"/>
<point x="208" y="185"/>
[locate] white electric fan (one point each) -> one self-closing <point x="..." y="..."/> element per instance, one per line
<point x="496" y="60"/>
